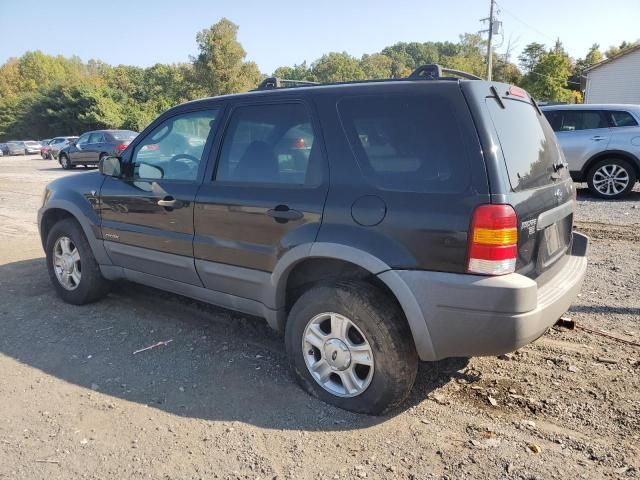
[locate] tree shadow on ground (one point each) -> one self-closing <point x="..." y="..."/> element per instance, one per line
<point x="219" y="365"/>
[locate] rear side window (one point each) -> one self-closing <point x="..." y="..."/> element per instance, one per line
<point x="407" y="142"/>
<point x="528" y="143"/>
<point x="622" y="119"/>
<point x="271" y="144"/>
<point x="574" y="120"/>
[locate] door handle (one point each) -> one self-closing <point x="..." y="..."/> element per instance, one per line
<point x="598" y="138"/>
<point x="283" y="214"/>
<point x="169" y="202"/>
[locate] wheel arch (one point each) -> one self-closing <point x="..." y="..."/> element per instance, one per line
<point x="306" y="265"/>
<point x="620" y="154"/>
<point x="57" y="210"/>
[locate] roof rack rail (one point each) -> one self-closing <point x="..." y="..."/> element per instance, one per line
<point x="275" y="82"/>
<point x="434" y="71"/>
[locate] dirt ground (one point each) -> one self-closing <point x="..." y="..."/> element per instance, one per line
<point x="219" y="402"/>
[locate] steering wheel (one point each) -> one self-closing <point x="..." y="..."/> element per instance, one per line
<point x="183" y="166"/>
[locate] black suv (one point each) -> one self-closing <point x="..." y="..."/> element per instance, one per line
<point x="93" y="146"/>
<point x="375" y="224"/>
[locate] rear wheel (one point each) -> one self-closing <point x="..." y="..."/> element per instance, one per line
<point x="611" y="178"/>
<point x="349" y="345"/>
<point x="73" y="269"/>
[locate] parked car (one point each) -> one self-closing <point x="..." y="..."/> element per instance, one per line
<point x="16" y="148"/>
<point x="44" y="150"/>
<point x="374" y="223"/>
<point x="601" y="144"/>
<point x="91" y="147"/>
<point x="31" y="147"/>
<point x="58" y="143"/>
<point x="4" y="148"/>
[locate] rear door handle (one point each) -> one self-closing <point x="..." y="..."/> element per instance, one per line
<point x="598" y="138"/>
<point x="169" y="202"/>
<point x="283" y="214"/>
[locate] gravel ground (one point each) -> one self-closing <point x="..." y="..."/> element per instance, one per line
<point x="219" y="402"/>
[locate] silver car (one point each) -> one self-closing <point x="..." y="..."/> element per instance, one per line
<point x="601" y="144"/>
<point x="57" y="144"/>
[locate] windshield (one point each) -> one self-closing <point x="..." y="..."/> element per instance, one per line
<point x="31" y="144"/>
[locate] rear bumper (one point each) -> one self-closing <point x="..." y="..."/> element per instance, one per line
<point x="457" y="315"/>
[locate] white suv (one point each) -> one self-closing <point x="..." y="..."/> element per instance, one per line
<point x="601" y="144"/>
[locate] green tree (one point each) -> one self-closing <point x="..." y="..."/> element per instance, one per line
<point x="337" y="67"/>
<point x="220" y="66"/>
<point x="612" y="51"/>
<point x="297" y="72"/>
<point x="376" y="66"/>
<point x="531" y="55"/>
<point x="547" y="80"/>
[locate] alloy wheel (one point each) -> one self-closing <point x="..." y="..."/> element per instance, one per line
<point x="66" y="263"/>
<point x="610" y="179"/>
<point x="337" y="354"/>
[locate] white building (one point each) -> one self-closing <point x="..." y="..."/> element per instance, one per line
<point x="615" y="80"/>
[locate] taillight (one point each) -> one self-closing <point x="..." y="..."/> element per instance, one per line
<point x="122" y="146"/>
<point x="493" y="240"/>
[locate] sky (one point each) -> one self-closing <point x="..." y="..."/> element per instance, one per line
<point x="286" y="32"/>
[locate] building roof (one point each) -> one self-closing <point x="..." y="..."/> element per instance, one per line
<point x="615" y="57"/>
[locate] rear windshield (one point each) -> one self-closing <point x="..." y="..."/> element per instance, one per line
<point x="30" y="143"/>
<point x="123" y="136"/>
<point x="528" y="143"/>
<point x="407" y="142"/>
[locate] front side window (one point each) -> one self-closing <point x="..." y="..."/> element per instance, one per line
<point x="622" y="119"/>
<point x="174" y="149"/>
<point x="83" y="140"/>
<point x="408" y="142"/>
<point x="269" y="144"/>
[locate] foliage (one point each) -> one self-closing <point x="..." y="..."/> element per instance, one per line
<point x="43" y="95"/>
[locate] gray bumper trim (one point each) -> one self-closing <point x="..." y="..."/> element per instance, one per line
<point x="461" y="315"/>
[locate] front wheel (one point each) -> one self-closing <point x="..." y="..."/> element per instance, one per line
<point x="611" y="178"/>
<point x="65" y="162"/>
<point x="73" y="269"/>
<point x="349" y="345"/>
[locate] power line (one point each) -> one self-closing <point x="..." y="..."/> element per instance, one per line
<point x="525" y="23"/>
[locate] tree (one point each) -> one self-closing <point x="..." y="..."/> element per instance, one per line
<point x="531" y="55"/>
<point x="547" y="80"/>
<point x="613" y="50"/>
<point x="297" y="72"/>
<point x="376" y="66"/>
<point x="337" y="67"/>
<point x="220" y="67"/>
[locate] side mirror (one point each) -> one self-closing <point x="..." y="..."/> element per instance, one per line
<point x="110" y="166"/>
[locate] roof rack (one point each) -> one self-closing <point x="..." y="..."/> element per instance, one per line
<point x="423" y="72"/>
<point x="275" y="82"/>
<point x="434" y="72"/>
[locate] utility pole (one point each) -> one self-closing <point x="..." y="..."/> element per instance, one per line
<point x="489" y="51"/>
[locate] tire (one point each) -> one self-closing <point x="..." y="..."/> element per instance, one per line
<point x="91" y="285"/>
<point x="606" y="178"/>
<point x="66" y="163"/>
<point x="374" y="319"/>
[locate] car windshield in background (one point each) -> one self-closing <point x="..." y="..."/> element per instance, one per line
<point x="32" y="144"/>
<point x="528" y="143"/>
<point x="124" y="136"/>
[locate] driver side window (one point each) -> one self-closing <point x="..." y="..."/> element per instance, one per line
<point x="83" y="139"/>
<point x="174" y="149"/>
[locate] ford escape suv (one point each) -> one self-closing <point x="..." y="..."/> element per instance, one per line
<point x="375" y="223"/>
